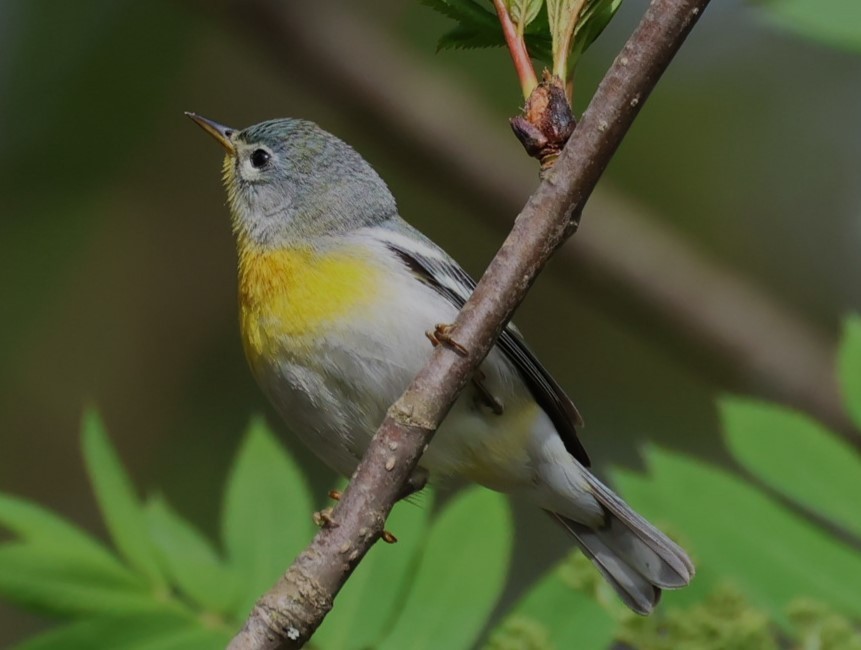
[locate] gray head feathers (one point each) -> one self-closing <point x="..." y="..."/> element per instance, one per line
<point x="290" y="181"/>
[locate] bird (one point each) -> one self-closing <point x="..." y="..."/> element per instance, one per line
<point x="336" y="296"/>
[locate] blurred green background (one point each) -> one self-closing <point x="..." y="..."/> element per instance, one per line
<point x="118" y="288"/>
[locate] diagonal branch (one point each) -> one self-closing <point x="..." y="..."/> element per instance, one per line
<point x="287" y="615"/>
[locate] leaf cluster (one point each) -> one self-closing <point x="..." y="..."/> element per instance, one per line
<point x="767" y="576"/>
<point x="554" y="30"/>
<point x="478" y="27"/>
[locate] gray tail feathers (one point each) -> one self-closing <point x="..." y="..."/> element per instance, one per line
<point x="636" y="558"/>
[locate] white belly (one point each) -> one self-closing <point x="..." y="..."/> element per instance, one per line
<point x="335" y="395"/>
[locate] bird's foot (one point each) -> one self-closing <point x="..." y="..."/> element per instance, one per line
<point x="486" y="397"/>
<point x="441" y="334"/>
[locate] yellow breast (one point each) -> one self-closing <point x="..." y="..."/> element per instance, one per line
<point x="290" y="296"/>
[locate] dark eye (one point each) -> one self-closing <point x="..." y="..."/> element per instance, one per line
<point x="260" y="158"/>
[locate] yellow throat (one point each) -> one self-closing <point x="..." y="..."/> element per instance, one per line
<point x="288" y="297"/>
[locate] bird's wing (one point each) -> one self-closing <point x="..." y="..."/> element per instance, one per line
<point x="446" y="277"/>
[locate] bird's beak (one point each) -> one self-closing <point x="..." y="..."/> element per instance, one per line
<point x="218" y="131"/>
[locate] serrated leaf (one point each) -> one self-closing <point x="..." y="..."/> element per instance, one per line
<point x="849" y="367"/>
<point x="121" y="510"/>
<point x="523" y="12"/>
<point x="460" y="577"/>
<point x="476" y="26"/>
<point x="40" y="527"/>
<point x="46" y="580"/>
<point x="834" y="22"/>
<point x="267" y="514"/>
<point x="467" y="11"/>
<point x="466" y="38"/>
<point x="479" y="28"/>
<point x="745" y="536"/>
<point x="190" y="560"/>
<point x="789" y="451"/>
<point x="464" y="11"/>
<point x="142" y="632"/>
<point x="569" y="618"/>
<point x="372" y="597"/>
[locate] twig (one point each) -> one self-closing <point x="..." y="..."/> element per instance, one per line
<point x="517" y="49"/>
<point x="287" y="615"/>
<point x="711" y="317"/>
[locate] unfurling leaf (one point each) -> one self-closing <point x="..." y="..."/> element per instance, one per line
<point x="562" y="17"/>
<point x="523" y="12"/>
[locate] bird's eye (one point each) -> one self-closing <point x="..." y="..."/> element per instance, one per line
<point x="260" y="158"/>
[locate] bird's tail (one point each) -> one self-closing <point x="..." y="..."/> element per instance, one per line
<point x="636" y="558"/>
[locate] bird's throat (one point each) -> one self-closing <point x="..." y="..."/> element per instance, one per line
<point x="290" y="297"/>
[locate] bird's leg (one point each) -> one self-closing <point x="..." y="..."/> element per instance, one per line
<point x="415" y="483"/>
<point x="442" y="334"/>
<point x="489" y="400"/>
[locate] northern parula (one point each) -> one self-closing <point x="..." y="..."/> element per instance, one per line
<point x="336" y="294"/>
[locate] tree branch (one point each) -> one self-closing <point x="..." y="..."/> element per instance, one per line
<point x="287" y="615"/>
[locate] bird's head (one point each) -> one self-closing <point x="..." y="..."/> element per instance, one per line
<point x="288" y="181"/>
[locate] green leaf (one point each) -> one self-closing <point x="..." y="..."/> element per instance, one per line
<point x="190" y="560"/>
<point x="523" y="12"/>
<point x="479" y="28"/>
<point x="460" y="576"/>
<point x="562" y="21"/>
<point x="596" y="16"/>
<point x="564" y="617"/>
<point x="468" y="38"/>
<point x="42" y="528"/>
<point x="142" y="632"/>
<point x="743" y="535"/>
<point x="267" y="514"/>
<point x="849" y="367"/>
<point x="476" y="26"/>
<point x="834" y="22"/>
<point x="372" y="597"/>
<point x="466" y="12"/>
<point x="46" y="580"/>
<point x="789" y="451"/>
<point x="120" y="507"/>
